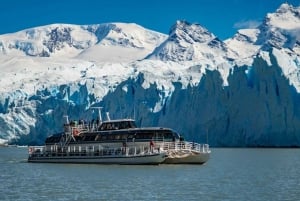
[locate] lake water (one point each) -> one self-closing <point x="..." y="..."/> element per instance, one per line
<point x="230" y="174"/>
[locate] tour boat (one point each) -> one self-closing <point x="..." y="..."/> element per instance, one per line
<point x="118" y="142"/>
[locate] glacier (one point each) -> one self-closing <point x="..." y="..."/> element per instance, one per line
<point x="241" y="92"/>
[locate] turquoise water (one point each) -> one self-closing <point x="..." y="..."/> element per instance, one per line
<point x="230" y="174"/>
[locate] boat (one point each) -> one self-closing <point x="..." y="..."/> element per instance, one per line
<point x="118" y="141"/>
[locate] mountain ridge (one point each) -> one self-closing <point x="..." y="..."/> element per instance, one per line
<point x="71" y="40"/>
<point x="278" y="30"/>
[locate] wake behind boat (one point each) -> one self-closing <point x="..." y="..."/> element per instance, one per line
<point x="118" y="142"/>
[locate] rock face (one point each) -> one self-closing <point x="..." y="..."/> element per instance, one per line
<point x="241" y="92"/>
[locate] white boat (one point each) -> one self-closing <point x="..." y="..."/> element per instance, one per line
<point x="118" y="142"/>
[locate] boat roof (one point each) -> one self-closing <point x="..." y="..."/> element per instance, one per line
<point x="118" y="120"/>
<point x="151" y="128"/>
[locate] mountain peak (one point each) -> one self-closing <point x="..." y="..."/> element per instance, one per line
<point x="285" y="7"/>
<point x="285" y="17"/>
<point x="280" y="29"/>
<point x="190" y="42"/>
<point x="189" y="32"/>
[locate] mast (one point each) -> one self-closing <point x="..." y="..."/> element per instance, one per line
<point x="99" y="113"/>
<point x="68" y="132"/>
<point x="67" y="119"/>
<point x="107" y="116"/>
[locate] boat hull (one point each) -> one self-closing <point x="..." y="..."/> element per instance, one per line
<point x="151" y="159"/>
<point x="187" y="158"/>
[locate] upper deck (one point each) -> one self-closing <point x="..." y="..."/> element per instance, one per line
<point x="117" y="124"/>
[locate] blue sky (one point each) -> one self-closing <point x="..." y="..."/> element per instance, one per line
<point x="221" y="17"/>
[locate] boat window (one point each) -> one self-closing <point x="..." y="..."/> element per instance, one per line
<point x="124" y="125"/>
<point x="132" y="124"/>
<point x="139" y="136"/>
<point x="176" y="135"/>
<point x="113" y="126"/>
<point x="169" y="135"/>
<point x="98" y="138"/>
<point x="160" y="135"/>
<point x="121" y="125"/>
<point x="109" y="137"/>
<point x="78" y="138"/>
<point x="108" y="126"/>
<point x="89" y="138"/>
<point x="124" y="136"/>
<point x="144" y="136"/>
<point x="53" y="139"/>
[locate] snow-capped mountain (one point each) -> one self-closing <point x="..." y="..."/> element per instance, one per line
<point x="191" y="42"/>
<point x="278" y="30"/>
<point x="120" y="42"/>
<point x="130" y="41"/>
<point x="241" y="92"/>
<point x="47" y="41"/>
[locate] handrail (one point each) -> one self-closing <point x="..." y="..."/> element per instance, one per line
<point x="185" y="145"/>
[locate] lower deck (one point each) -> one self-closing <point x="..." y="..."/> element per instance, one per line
<point x="176" y="152"/>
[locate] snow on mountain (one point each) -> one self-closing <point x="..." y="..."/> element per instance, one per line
<point x="124" y="42"/>
<point x="282" y="28"/>
<point x="241" y="92"/>
<point x="279" y="33"/>
<point x="191" y="42"/>
<point x="278" y="30"/>
<point x="46" y="41"/>
<point x="246" y="39"/>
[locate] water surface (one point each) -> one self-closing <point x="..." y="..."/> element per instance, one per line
<point x="230" y="174"/>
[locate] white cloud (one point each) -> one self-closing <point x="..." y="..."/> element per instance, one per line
<point x="247" y="24"/>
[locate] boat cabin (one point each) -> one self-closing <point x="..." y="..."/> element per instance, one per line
<point x="117" y="131"/>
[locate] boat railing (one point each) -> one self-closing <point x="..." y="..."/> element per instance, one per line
<point x="41" y="151"/>
<point x="76" y="129"/>
<point x="36" y="150"/>
<point x="185" y="145"/>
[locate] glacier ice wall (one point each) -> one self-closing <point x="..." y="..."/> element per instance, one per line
<point x="258" y="107"/>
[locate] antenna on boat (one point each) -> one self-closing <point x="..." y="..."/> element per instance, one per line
<point x="107" y="116"/>
<point x="67" y="119"/>
<point x="99" y="112"/>
<point x="68" y="130"/>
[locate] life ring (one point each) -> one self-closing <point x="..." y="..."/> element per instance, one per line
<point x="75" y="132"/>
<point x="30" y="150"/>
